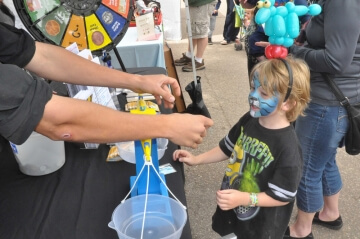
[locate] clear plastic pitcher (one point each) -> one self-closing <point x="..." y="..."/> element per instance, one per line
<point x="39" y="155"/>
<point x="164" y="218"/>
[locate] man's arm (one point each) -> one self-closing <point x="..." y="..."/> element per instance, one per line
<point x="56" y="63"/>
<point x="82" y="121"/>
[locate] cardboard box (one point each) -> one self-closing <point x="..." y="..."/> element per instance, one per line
<point x="171" y="70"/>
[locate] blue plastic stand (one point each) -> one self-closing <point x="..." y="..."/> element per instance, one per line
<point x="155" y="184"/>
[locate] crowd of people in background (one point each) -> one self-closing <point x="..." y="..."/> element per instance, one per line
<point x="327" y="47"/>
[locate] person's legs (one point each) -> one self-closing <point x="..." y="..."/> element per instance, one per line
<point x="233" y="31"/>
<point x="186" y="57"/>
<point x="230" y="31"/>
<point x="211" y="29"/>
<point x="200" y="17"/>
<point x="227" y="23"/>
<point x="302" y="225"/>
<point x="195" y="43"/>
<point x="330" y="212"/>
<point x="201" y="46"/>
<point x="320" y="132"/>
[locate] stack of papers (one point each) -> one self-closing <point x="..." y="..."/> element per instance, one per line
<point x="99" y="95"/>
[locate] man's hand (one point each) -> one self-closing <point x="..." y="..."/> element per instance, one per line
<point x="158" y="85"/>
<point x="186" y="129"/>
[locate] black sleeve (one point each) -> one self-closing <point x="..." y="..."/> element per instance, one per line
<point x="16" y="46"/>
<point x="23" y="99"/>
<point x="286" y="178"/>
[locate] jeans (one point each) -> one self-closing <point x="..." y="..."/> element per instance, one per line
<point x="320" y="133"/>
<point x="212" y="26"/>
<point x="230" y="31"/>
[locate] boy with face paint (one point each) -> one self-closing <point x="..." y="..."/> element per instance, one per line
<point x="264" y="157"/>
<point x="260" y="103"/>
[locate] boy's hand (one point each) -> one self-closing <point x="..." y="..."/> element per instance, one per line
<point x="230" y="198"/>
<point x="184" y="157"/>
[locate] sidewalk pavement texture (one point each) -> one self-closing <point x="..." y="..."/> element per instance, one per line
<point x="225" y="88"/>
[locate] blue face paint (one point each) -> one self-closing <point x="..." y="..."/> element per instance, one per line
<point x="260" y="103"/>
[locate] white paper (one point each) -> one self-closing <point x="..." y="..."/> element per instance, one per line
<point x="100" y="95"/>
<point x="145" y="27"/>
<point x="83" y="95"/>
<point x="73" y="48"/>
<point x="166" y="169"/>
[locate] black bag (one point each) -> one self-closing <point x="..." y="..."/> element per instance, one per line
<point x="352" y="138"/>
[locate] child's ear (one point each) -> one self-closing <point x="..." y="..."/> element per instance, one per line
<point x="288" y="105"/>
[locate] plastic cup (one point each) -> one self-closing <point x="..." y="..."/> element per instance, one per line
<point x="164" y="218"/>
<point x="39" y="155"/>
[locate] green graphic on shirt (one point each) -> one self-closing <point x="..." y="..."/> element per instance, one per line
<point x="248" y="159"/>
<point x="248" y="181"/>
<point x="258" y="151"/>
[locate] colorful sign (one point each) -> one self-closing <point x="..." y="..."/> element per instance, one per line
<point x="113" y="22"/>
<point x="75" y="32"/>
<point x="53" y="25"/>
<point x="119" y="6"/>
<point x="39" y="8"/>
<point x="96" y="34"/>
<point x="92" y="24"/>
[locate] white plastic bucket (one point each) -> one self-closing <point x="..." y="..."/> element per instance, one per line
<point x="39" y="155"/>
<point x="127" y="149"/>
<point x="164" y="218"/>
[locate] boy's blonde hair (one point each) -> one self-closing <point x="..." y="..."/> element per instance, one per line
<point x="274" y="77"/>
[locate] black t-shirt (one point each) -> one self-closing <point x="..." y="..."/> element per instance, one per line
<point x="23" y="97"/>
<point x="260" y="160"/>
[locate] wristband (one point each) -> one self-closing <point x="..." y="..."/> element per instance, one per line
<point x="253" y="200"/>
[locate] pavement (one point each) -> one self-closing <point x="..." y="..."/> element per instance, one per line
<point x="225" y="88"/>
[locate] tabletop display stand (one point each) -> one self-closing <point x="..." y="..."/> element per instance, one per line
<point x="148" y="181"/>
<point x="97" y="25"/>
<point x="86" y="186"/>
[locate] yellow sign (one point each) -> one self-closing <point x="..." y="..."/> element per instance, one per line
<point x="96" y="34"/>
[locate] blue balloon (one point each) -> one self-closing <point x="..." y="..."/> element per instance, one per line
<point x="279" y="26"/>
<point x="279" y="40"/>
<point x="272" y="10"/>
<point x="288" y="42"/>
<point x="290" y="6"/>
<point x="282" y="11"/>
<point x="292" y="25"/>
<point x="262" y="15"/>
<point x="282" y="23"/>
<point x="272" y="40"/>
<point x="314" y="9"/>
<point x="301" y="10"/>
<point x="268" y="27"/>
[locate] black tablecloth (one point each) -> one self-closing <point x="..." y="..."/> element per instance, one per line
<point x="75" y="202"/>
